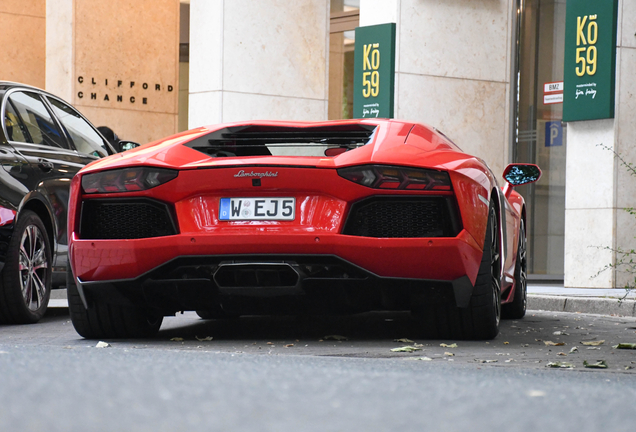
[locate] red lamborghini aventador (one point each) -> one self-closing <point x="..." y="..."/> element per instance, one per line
<point x="297" y="218"/>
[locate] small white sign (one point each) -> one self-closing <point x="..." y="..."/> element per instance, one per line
<point x="553" y="87"/>
<point x="553" y="99"/>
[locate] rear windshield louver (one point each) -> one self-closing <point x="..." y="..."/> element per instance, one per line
<point x="257" y="140"/>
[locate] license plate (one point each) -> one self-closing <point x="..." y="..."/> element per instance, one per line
<point x="257" y="209"/>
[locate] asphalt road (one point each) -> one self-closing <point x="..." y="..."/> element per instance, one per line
<point x="284" y="374"/>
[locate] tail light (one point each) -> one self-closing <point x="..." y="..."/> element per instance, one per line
<point x="126" y="180"/>
<point x="392" y="177"/>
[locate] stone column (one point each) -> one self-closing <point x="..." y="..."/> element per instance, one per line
<point x="598" y="187"/>
<point x="453" y="67"/>
<point x="23" y="41"/>
<point x="258" y="60"/>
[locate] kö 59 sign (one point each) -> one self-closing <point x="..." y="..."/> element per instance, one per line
<point x="374" y="71"/>
<point x="370" y="74"/>
<point x="586" y="55"/>
<point x="590" y="59"/>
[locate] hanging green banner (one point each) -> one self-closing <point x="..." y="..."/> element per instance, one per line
<point x="590" y="59"/>
<point x="374" y="71"/>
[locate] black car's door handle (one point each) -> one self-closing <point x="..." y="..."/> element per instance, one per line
<point x="45" y="165"/>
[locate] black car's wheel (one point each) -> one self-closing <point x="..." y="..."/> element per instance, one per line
<point x="26" y="276"/>
<point x="480" y="320"/>
<point x="103" y="320"/>
<point x="517" y="308"/>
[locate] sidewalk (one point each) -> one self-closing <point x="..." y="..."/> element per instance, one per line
<point x="549" y="297"/>
<point x="541" y="296"/>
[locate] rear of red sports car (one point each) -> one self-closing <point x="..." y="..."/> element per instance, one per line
<point x="284" y="218"/>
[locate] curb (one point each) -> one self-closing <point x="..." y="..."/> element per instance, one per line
<point x="590" y="305"/>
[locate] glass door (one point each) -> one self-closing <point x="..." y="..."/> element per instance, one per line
<point x="539" y="135"/>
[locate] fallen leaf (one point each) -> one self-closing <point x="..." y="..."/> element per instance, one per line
<point x="176" y="339"/>
<point x="561" y="354"/>
<point x="419" y="358"/>
<point x="550" y="343"/>
<point x="453" y="345"/>
<point x="101" y="344"/>
<point x="506" y="343"/>
<point x="289" y="345"/>
<point x="336" y="337"/>
<point x="560" y="333"/>
<point x="564" y="365"/>
<point x="416" y="345"/>
<point x="487" y="361"/>
<point x="406" y="349"/>
<point x="403" y="340"/>
<point x="573" y="350"/>
<point x="270" y="343"/>
<point x="592" y="343"/>
<point x="207" y="338"/>
<point x="625" y="346"/>
<point x="593" y="348"/>
<point x="598" y="365"/>
<point x="449" y="354"/>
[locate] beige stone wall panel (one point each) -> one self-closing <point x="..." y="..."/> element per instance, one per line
<point x="627" y="23"/>
<point x="626" y="130"/>
<point x="35" y="8"/>
<point x="471" y="113"/>
<point x="459" y="38"/>
<point x="138" y="126"/>
<point x="120" y="40"/>
<point x="589" y="234"/>
<point x="23" y="41"/>
<point x="295" y="34"/>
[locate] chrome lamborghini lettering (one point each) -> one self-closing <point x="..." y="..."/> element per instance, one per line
<point x="242" y="173"/>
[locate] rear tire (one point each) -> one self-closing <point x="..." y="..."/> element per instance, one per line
<point x="108" y="321"/>
<point x="517" y="308"/>
<point x="480" y="320"/>
<point x="26" y="277"/>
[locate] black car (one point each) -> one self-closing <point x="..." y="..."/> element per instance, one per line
<point x="43" y="142"/>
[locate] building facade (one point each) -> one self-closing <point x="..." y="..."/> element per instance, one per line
<point x="485" y="72"/>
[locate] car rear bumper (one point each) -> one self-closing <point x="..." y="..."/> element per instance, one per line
<point x="263" y="284"/>
<point x="416" y="258"/>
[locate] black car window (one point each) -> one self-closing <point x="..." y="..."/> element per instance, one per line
<point x="84" y="137"/>
<point x="41" y="129"/>
<point x="16" y="131"/>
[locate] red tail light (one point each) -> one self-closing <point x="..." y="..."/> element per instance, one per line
<point x="392" y="177"/>
<point x="126" y="180"/>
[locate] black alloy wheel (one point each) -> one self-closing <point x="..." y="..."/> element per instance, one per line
<point x="517" y="308"/>
<point x="480" y="320"/>
<point x="26" y="276"/>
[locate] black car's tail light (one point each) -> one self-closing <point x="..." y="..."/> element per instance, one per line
<point x="393" y="177"/>
<point x="126" y="180"/>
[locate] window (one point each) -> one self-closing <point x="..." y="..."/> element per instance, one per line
<point x="39" y="125"/>
<point x="84" y="137"/>
<point x="16" y="130"/>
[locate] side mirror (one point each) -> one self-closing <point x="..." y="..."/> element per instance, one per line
<point x="520" y="174"/>
<point x="127" y="145"/>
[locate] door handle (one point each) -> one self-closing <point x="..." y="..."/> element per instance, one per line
<point x="45" y="165"/>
